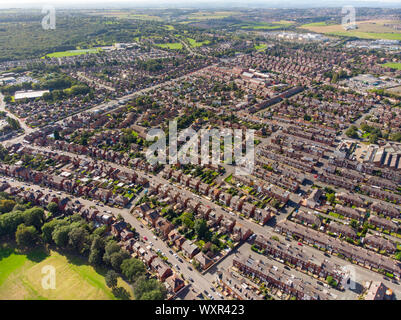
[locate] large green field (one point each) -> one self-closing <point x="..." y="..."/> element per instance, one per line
<point x="393" y="65"/>
<point x="193" y="43"/>
<point x="72" y="53"/>
<point x="174" y="46"/>
<point x="21" y="277"/>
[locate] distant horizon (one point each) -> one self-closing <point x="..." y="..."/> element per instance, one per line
<point x="197" y="4"/>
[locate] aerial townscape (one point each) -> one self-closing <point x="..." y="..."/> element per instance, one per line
<point x="317" y="218"/>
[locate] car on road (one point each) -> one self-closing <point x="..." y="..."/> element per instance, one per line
<point x="171" y="251"/>
<point x="176" y="265"/>
<point x="327" y="255"/>
<point x="145" y="238"/>
<point x="189" y="267"/>
<point x="319" y="283"/>
<point x="154" y="237"/>
<point x="141" y="225"/>
<point x="211" y="297"/>
<point x="213" y="289"/>
<point x="299" y="243"/>
<point x="190" y="279"/>
<point x="287" y="267"/>
<point x="205" y="291"/>
<point x="220" y="295"/>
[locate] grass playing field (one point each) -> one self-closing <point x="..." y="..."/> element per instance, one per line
<point x="261" y="46"/>
<point x="72" y="53"/>
<point x="393" y="65"/>
<point x="193" y="43"/>
<point x="21" y="277"/>
<point x="173" y="46"/>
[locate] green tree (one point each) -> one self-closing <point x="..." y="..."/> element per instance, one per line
<point x="6" y="205"/>
<point x="149" y="289"/>
<point x="34" y="217"/>
<point x="52" y="207"/>
<point x="116" y="259"/>
<point x="110" y="248"/>
<point x="10" y="221"/>
<point x="111" y="279"/>
<point x="78" y="238"/>
<point x="60" y="236"/>
<point x="331" y="197"/>
<point x="26" y="236"/>
<point x="132" y="268"/>
<point x="49" y="227"/>
<point x="200" y="227"/>
<point x="96" y="251"/>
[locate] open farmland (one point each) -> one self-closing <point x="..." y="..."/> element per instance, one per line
<point x="372" y="29"/>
